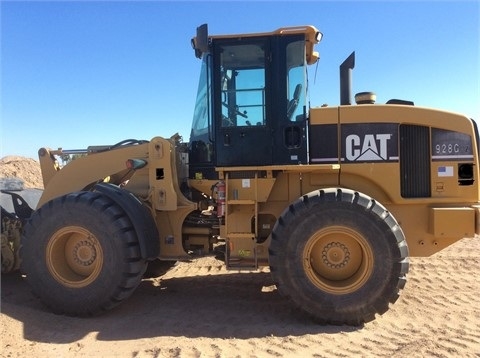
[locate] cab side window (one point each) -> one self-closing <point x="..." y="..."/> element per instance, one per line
<point x="243" y="85"/>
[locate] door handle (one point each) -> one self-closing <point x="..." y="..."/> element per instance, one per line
<point x="226" y="139"/>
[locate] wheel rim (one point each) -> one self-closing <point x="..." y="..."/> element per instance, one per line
<point x="74" y="256"/>
<point x="338" y="260"/>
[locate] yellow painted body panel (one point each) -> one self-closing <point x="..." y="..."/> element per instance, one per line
<point x="430" y="224"/>
<point x="452" y="222"/>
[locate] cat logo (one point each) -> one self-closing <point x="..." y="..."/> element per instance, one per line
<point x="369" y="142"/>
<point x="370" y="148"/>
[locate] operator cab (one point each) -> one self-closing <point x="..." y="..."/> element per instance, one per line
<point x="250" y="108"/>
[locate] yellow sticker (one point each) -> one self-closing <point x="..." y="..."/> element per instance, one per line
<point x="244" y="253"/>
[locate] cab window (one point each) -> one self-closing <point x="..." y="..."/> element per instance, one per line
<point x="242" y="69"/>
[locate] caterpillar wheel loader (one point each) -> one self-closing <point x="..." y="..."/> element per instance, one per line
<point x="333" y="199"/>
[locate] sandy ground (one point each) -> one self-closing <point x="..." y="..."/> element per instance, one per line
<point x="199" y="309"/>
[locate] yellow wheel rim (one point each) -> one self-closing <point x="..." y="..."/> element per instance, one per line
<point x="338" y="260"/>
<point x="74" y="256"/>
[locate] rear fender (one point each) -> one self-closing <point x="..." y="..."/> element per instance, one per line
<point x="139" y="215"/>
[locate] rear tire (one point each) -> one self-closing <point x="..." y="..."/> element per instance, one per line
<point x="339" y="255"/>
<point x="81" y="254"/>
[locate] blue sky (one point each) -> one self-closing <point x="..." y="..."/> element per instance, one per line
<point x="75" y="74"/>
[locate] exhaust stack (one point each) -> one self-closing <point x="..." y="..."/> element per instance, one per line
<point x="346" y="79"/>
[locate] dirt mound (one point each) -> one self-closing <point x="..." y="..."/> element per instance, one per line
<point x="27" y="169"/>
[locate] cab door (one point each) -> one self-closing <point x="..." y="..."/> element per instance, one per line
<point x="243" y="134"/>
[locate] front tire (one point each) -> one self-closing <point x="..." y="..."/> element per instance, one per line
<point x="339" y="255"/>
<point x="81" y="254"/>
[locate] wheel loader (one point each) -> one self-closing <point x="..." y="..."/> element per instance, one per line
<point x="333" y="199"/>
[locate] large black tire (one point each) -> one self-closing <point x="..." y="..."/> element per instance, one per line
<point x="339" y="255"/>
<point x="81" y="254"/>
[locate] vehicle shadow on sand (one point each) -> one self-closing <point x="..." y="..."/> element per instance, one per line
<point x="233" y="305"/>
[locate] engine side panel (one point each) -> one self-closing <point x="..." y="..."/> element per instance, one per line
<point x="422" y="164"/>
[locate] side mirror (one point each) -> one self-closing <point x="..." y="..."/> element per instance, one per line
<point x="200" y="42"/>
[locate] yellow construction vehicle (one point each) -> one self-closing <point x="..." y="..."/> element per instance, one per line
<point x="334" y="199"/>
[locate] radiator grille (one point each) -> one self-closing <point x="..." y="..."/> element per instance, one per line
<point x="415" y="161"/>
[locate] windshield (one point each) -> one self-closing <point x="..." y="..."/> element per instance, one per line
<point x="202" y="112"/>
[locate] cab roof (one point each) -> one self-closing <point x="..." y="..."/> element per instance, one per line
<point x="200" y="43"/>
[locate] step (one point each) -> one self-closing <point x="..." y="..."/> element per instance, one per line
<point x="241" y="235"/>
<point x="241" y="264"/>
<point x="241" y="202"/>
